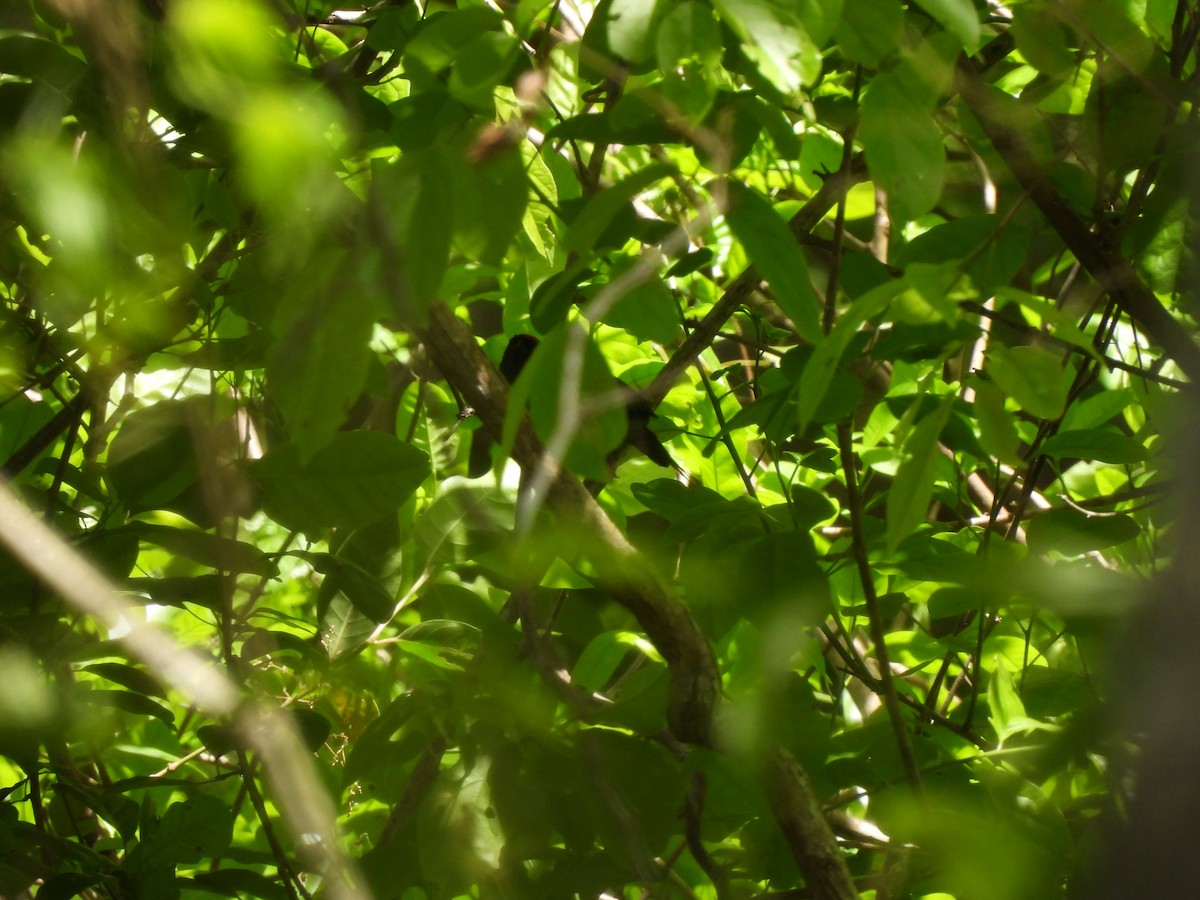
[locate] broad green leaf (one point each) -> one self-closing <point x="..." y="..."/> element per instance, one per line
<point x="903" y="146"/>
<point x="870" y="30"/>
<point x="1006" y="711"/>
<point x="820" y="17"/>
<point x="137" y="680"/>
<point x="441" y="38"/>
<point x="490" y="197"/>
<point x="215" y="551"/>
<point x="1097" y="410"/>
<point x="647" y="311"/>
<point x="189" y="831"/>
<point x="997" y="430"/>
<point x="152" y="459"/>
<point x="1043" y="39"/>
<point x="1101" y="444"/>
<point x="286" y="161"/>
<point x="359" y="586"/>
<point x="689" y="51"/>
<point x="483" y="63"/>
<point x="910" y="493"/>
<point x="993" y="251"/>
<point x="774" y="37"/>
<point x="41" y="61"/>
<point x="127" y="701"/>
<point x="600" y="210"/>
<point x="356" y="479"/>
<point x="826" y="357"/>
<point x="1033" y="376"/>
<point x="1062" y="322"/>
<point x="553" y="298"/>
<point x="600" y="659"/>
<point x="777" y="257"/>
<point x="318" y="364"/>
<point x="1072" y="532"/>
<point x="689" y="33"/>
<point x="926" y="298"/>
<point x="343" y="628"/>
<point x="598" y="434"/>
<point x="415" y="189"/>
<point x="234" y="882"/>
<point x="20" y="419"/>
<point x="958" y="17"/>
<point x="630" y="26"/>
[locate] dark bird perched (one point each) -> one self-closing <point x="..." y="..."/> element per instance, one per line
<point x="638" y="414"/>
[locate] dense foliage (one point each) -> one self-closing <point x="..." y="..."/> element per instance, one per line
<point x="905" y="282"/>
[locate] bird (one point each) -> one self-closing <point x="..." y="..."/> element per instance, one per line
<point x="638" y="413"/>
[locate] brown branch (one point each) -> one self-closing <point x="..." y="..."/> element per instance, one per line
<point x="1103" y="262"/>
<point x="803" y="823"/>
<point x="694" y="679"/>
<point x="810" y="215"/>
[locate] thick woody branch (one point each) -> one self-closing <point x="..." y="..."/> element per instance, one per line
<point x="694" y="679"/>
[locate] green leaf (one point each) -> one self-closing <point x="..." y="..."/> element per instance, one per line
<point x="1043" y="39"/>
<point x="422" y="222"/>
<point x="997" y="430"/>
<point x="41" y="61"/>
<point x="233" y="882"/>
<point x="20" y="419"/>
<point x="318" y="364"/>
<point x="910" y="493"/>
<point x="903" y="145"/>
<point x="689" y="33"/>
<point x="630" y="27"/>
<point x="777" y="257"/>
<point x="691" y="262"/>
<point x="599" y="434"/>
<point x="995" y="249"/>
<point x="821" y="367"/>
<point x="360" y="587"/>
<point x="1033" y="376"/>
<point x="483" y="63"/>
<point x="552" y="299"/>
<point x="647" y="311"/>
<point x="199" y="827"/>
<point x="774" y="37"/>
<point x="490" y="198"/>
<point x="357" y="478"/>
<point x="958" y="17"/>
<point x="1101" y="444"/>
<point x="1071" y="532"/>
<point x="151" y="460"/>
<point x="585" y="230"/>
<point x="214" y="551"/>
<point x="137" y="680"/>
<point x="1007" y="712"/>
<point x="604" y="654"/>
<point x="138" y="704"/>
<point x="870" y="30"/>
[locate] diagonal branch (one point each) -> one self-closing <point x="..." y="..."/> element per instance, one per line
<point x="810" y="215"/>
<point x="695" y="684"/>
<point x="1104" y="263"/>
<point x="694" y="679"/>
